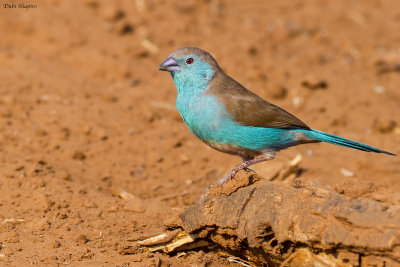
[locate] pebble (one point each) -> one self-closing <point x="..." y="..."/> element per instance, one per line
<point x="379" y="89"/>
<point x="346" y="172"/>
<point x="385" y="126"/>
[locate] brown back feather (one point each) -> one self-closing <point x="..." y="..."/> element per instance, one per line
<point x="249" y="109"/>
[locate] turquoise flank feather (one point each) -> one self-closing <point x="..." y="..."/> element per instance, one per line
<point x="208" y="120"/>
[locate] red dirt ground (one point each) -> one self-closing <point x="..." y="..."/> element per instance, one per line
<point x="93" y="153"/>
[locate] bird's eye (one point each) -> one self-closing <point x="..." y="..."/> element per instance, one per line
<point x="189" y="60"/>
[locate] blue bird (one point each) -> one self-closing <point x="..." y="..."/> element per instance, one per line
<point x="229" y="118"/>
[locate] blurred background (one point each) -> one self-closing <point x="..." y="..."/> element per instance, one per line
<point x="93" y="152"/>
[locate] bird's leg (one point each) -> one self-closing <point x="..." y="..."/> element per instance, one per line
<point x="244" y="159"/>
<point x="246" y="163"/>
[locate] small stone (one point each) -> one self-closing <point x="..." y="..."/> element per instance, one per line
<point x="82" y="239"/>
<point x="6" y="113"/>
<point x="56" y="244"/>
<point x="142" y="54"/>
<point x="388" y="66"/>
<point x="7" y="99"/>
<point x="64" y="175"/>
<point x="297" y="101"/>
<point x="110" y="98"/>
<point x="135" y="82"/>
<point x="253" y="51"/>
<point x="41" y="132"/>
<point x="87" y="130"/>
<point x="348" y="257"/>
<point x="314" y="84"/>
<point x="385" y="126"/>
<point x="379" y="89"/>
<point x="92" y="4"/>
<point x="113" y="14"/>
<point x="346" y="172"/>
<point x="140" y="174"/>
<point x="128" y="249"/>
<point x="65" y="133"/>
<point x="126" y="28"/>
<point x="79" y="155"/>
<point x="184" y="158"/>
<point x="278" y="92"/>
<point x="135" y="205"/>
<point x="20" y="168"/>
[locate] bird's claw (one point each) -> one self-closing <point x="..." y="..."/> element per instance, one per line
<point x="220" y="182"/>
<point x="223" y="180"/>
<point x="205" y="193"/>
<point x="249" y="170"/>
<point x="226" y="178"/>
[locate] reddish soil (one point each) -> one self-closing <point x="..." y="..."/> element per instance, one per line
<point x="93" y="153"/>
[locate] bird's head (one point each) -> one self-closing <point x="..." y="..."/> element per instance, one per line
<point x="191" y="68"/>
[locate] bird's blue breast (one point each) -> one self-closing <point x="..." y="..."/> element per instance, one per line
<point x="208" y="119"/>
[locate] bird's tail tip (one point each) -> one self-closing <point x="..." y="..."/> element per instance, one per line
<point x="389" y="153"/>
<point x="337" y="140"/>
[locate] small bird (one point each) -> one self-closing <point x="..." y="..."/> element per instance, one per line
<point x="229" y="118"/>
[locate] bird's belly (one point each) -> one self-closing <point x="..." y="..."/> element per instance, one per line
<point x="234" y="150"/>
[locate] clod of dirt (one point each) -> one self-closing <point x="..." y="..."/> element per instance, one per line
<point x="128" y="249"/>
<point x="56" y="244"/>
<point x="314" y="84"/>
<point x="92" y="4"/>
<point x="125" y="28"/>
<point x="242" y="179"/>
<point x="385" y="126"/>
<point x="79" y="155"/>
<point x="385" y="67"/>
<point x="81" y="240"/>
<point x="299" y="224"/>
<point x="64" y="175"/>
<point x="355" y="188"/>
<point x="112" y="14"/>
<point x="252" y="50"/>
<point x="278" y="92"/>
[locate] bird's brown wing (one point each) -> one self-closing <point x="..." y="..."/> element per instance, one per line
<point x="249" y="109"/>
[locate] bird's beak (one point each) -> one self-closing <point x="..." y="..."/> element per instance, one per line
<point x="170" y="65"/>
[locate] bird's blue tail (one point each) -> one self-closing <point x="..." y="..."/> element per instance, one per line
<point x="333" y="139"/>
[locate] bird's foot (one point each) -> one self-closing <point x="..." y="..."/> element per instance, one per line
<point x="230" y="175"/>
<point x="249" y="170"/>
<point x="205" y="193"/>
<point x="222" y="181"/>
<point x="243" y="166"/>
